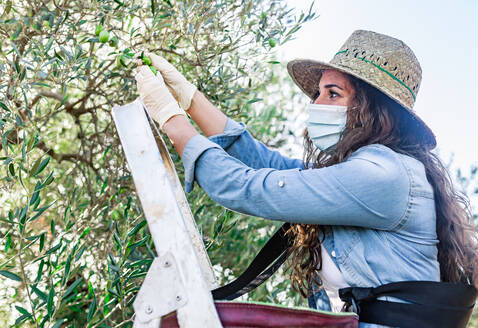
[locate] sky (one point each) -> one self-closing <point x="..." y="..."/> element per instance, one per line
<point x="444" y="37"/>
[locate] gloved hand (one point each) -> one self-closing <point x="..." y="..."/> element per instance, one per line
<point x="159" y="102"/>
<point x="181" y="88"/>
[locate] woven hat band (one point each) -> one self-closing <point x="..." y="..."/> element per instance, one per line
<point x="385" y="70"/>
<point x="381" y="73"/>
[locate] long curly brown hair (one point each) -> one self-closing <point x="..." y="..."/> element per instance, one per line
<point x="372" y="118"/>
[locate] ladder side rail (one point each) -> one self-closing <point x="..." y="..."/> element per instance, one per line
<point x="187" y="215"/>
<point x="164" y="218"/>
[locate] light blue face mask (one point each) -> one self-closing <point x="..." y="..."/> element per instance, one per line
<point x="325" y="124"/>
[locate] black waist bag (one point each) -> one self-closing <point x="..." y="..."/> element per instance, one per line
<point x="431" y="304"/>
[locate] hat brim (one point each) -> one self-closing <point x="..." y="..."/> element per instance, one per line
<point x="306" y="73"/>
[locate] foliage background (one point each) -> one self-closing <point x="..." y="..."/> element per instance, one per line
<point x="74" y="242"/>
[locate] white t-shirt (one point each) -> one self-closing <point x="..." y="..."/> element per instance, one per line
<point x="332" y="280"/>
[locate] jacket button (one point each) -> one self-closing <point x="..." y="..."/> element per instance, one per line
<point x="280" y="183"/>
<point x="332" y="253"/>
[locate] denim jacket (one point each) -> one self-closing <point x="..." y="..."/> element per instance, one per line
<point x="376" y="207"/>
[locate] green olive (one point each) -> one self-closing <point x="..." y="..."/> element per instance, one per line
<point x="114" y="41"/>
<point x="146" y="60"/>
<point x="120" y="61"/>
<point x="98" y="29"/>
<point x="104" y="36"/>
<point x="263" y="15"/>
<point x="272" y="43"/>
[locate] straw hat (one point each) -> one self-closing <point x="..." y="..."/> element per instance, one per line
<point x="384" y="62"/>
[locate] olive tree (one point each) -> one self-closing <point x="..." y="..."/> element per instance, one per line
<point x="74" y="241"/>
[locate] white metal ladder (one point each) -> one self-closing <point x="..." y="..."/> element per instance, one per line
<point x="181" y="277"/>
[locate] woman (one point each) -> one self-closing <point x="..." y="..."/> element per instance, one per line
<point x="370" y="203"/>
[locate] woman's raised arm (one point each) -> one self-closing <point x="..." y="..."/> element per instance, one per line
<point x="228" y="134"/>
<point x="208" y="117"/>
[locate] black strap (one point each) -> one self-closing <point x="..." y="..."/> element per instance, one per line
<point x="269" y="259"/>
<point x="433" y="304"/>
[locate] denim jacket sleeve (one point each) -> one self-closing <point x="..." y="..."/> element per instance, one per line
<point x="239" y="143"/>
<point x="370" y="189"/>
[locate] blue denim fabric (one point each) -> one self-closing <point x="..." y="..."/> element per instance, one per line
<point x="377" y="207"/>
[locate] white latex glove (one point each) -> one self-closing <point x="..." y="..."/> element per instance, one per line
<point x="159" y="102"/>
<point x="181" y="88"/>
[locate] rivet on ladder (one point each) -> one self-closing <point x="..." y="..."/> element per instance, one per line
<point x="149" y="309"/>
